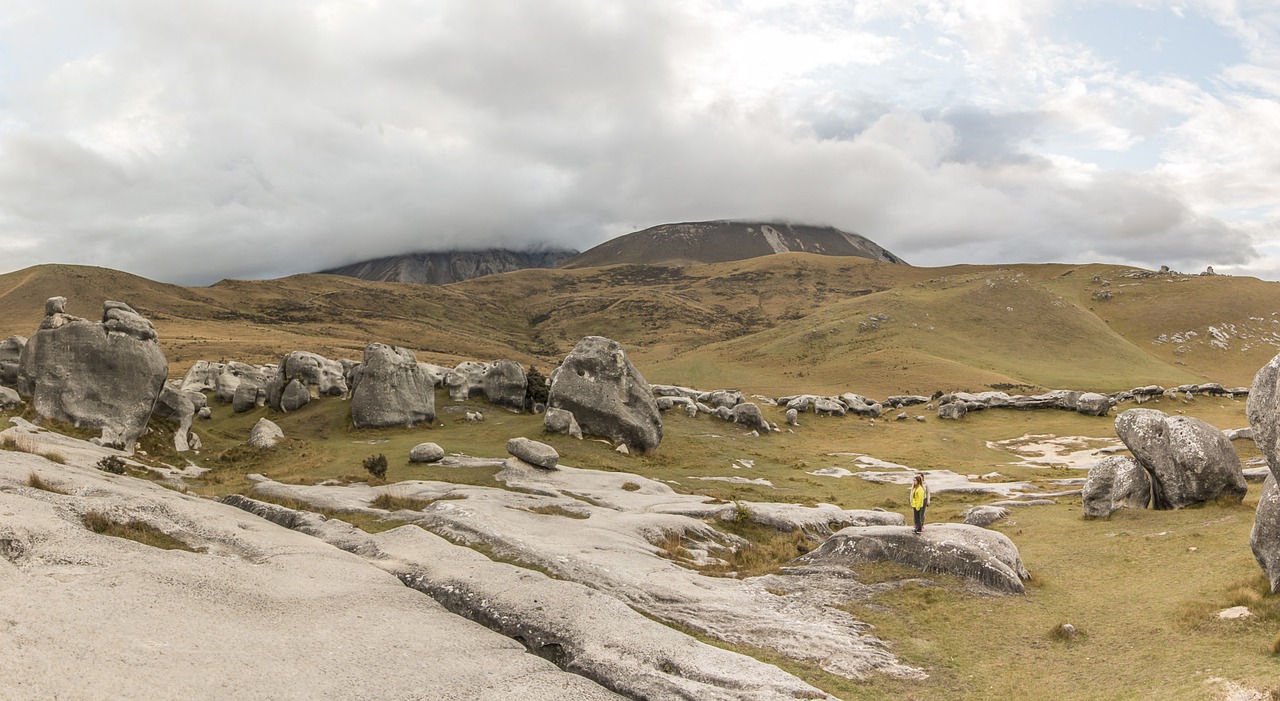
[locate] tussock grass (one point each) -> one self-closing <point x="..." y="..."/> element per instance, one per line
<point x="630" y="486"/>
<point x="766" y="550"/>
<point x="133" y="529"/>
<point x="54" y="456"/>
<point x="9" y="443"/>
<point x="36" y="482"/>
<point x="391" y="502"/>
<point x="557" y="510"/>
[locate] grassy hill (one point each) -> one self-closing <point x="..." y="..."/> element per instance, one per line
<point x="776" y="324"/>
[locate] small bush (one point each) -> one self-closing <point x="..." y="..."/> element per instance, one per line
<point x="376" y="465"/>
<point x="535" y="389"/>
<point x="1064" y="632"/>
<point x="630" y="487"/>
<point x="113" y="464"/>
<point x="35" y="482"/>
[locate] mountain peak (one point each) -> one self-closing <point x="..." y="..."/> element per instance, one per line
<point x="444" y="267"/>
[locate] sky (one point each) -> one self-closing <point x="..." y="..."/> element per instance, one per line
<point x="194" y="141"/>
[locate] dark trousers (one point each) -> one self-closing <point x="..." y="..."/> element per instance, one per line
<point x="918" y="514"/>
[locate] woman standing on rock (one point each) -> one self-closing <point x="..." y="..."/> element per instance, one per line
<point x="919" y="500"/>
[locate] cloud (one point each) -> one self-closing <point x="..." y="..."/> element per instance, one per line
<point x="242" y="139"/>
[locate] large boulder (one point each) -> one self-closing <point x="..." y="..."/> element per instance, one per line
<point x="265" y="434"/>
<point x="202" y="377"/>
<point x="1116" y="482"/>
<point x="958" y="549"/>
<point x="466" y="379"/>
<point x="1189" y="461"/>
<point x="1263" y="410"/>
<point x="104" y="375"/>
<point x="504" y="384"/>
<point x="10" y="353"/>
<point x="727" y="398"/>
<point x="533" y="452"/>
<point x="392" y="390"/>
<point x="953" y="410"/>
<point x="319" y="375"/>
<point x="561" y="421"/>
<point x="748" y="414"/>
<point x="426" y="452"/>
<point x="1094" y="404"/>
<point x="607" y="395"/>
<point x="295" y="395"/>
<point x="176" y="405"/>
<point x="1265" y="538"/>
<point x="247" y="397"/>
<point x="9" y="398"/>
<point x="235" y="374"/>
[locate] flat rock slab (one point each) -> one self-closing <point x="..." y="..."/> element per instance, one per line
<point x="262" y="613"/>
<point x="983" y="556"/>
<point x="941" y="481"/>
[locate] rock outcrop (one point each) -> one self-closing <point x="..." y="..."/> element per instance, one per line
<point x="974" y="553"/>
<point x="504" y="384"/>
<point x="1116" y="482"/>
<point x="606" y="394"/>
<point x="1263" y="409"/>
<point x="391" y="390"/>
<point x="177" y="405"/>
<point x="105" y="375"/>
<point x="9" y="398"/>
<point x="1264" y="540"/>
<point x="983" y="516"/>
<point x="466" y="380"/>
<point x="317" y="374"/>
<point x="1189" y="461"/>
<point x="747" y="414"/>
<point x="10" y="353"/>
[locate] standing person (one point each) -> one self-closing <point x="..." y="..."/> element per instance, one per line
<point x="919" y="500"/>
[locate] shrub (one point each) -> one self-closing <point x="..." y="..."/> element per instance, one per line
<point x="376" y="465"/>
<point x="112" y="464"/>
<point x="630" y="487"/>
<point x="535" y="391"/>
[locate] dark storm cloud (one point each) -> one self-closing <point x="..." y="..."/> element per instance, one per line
<point x="240" y="139"/>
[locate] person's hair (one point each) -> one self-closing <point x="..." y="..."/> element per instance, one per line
<point x="919" y="479"/>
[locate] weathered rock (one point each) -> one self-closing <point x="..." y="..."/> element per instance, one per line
<point x="233" y="375"/>
<point x="1094" y="404"/>
<point x="860" y="405"/>
<point x="98" y="375"/>
<point x="317" y="374"/>
<point x="426" y="452"/>
<point x="606" y="394"/>
<point x="966" y="551"/>
<point x="533" y="452"/>
<point x="10" y="353"/>
<point x="691" y="410"/>
<point x="829" y="407"/>
<point x="1190" y="462"/>
<point x="247" y="397"/>
<point x="436" y="373"/>
<point x="9" y="398"/>
<point x="1263" y="410"/>
<point x="466" y="380"/>
<point x="793" y="417"/>
<point x="561" y="421"/>
<point x="205" y="413"/>
<point x="504" y="384"/>
<point x="202" y="377"/>
<point x="748" y="414"/>
<point x="265" y="434"/>
<point x="392" y="390"/>
<point x="295" y="395"/>
<point x="1116" y="482"/>
<point x="728" y="398"/>
<point x="1265" y="537"/>
<point x="952" y="410"/>
<point x="176" y="405"/>
<point x="900" y="401"/>
<point x="983" y="516"/>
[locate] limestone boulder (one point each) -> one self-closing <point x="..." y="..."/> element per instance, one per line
<point x="465" y="380"/>
<point x="728" y="398"/>
<point x="202" y="377"/>
<point x="436" y="373"/>
<point x="793" y="417"/>
<point x="984" y="515"/>
<point x="104" y="375"/>
<point x="1189" y="461"/>
<point x="561" y="421"/>
<point x="533" y="452"/>
<point x="970" y="552"/>
<point x="10" y="353"/>
<point x="317" y="374"/>
<point x="175" y="405"/>
<point x="1263" y="410"/>
<point x="295" y="395"/>
<point x="234" y="374"/>
<point x="247" y="397"/>
<point x="860" y="405"/>
<point x="9" y="398"/>
<point x="829" y="406"/>
<point x="392" y="390"/>
<point x="1094" y="404"/>
<point x="606" y="394"/>
<point x="1265" y="537"/>
<point x="953" y="410"/>
<point x="504" y="384"/>
<point x="265" y="434"/>
<point x="748" y="414"/>
<point x="425" y="453"/>
<point x="1116" y="482"/>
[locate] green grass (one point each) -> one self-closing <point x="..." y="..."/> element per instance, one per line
<point x="391" y="502"/>
<point x="133" y="529"/>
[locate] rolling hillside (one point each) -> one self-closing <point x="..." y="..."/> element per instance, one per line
<point x="774" y="324"/>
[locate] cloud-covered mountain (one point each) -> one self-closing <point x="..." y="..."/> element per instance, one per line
<point x="444" y="267"/>
<point x="723" y="240"/>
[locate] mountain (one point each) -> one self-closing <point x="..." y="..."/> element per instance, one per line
<point x="722" y="241"/>
<point x="445" y="267"/>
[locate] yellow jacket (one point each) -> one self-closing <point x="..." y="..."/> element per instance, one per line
<point x="919" y="497"/>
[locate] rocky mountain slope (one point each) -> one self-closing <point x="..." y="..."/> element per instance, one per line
<point x="724" y="240"/>
<point x="445" y="267"/>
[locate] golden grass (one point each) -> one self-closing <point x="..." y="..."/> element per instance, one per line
<point x="391" y="502"/>
<point x="557" y="510"/>
<point x="36" y="482"/>
<point x="133" y="529"/>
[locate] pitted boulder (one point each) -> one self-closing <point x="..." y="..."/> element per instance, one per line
<point x="175" y="405"/>
<point x="95" y="375"/>
<point x="426" y="452"/>
<point x="504" y="384"/>
<point x="202" y="377"/>
<point x="465" y="380"/>
<point x="392" y="390"/>
<point x="1265" y="537"/>
<point x="318" y="375"/>
<point x="533" y="452"/>
<point x="748" y="414"/>
<point x="607" y="395"/>
<point x="265" y="434"/>
<point x="1189" y="461"/>
<point x="974" y="553"/>
<point x="233" y="375"/>
<point x="1116" y="482"/>
<point x="860" y="405"/>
